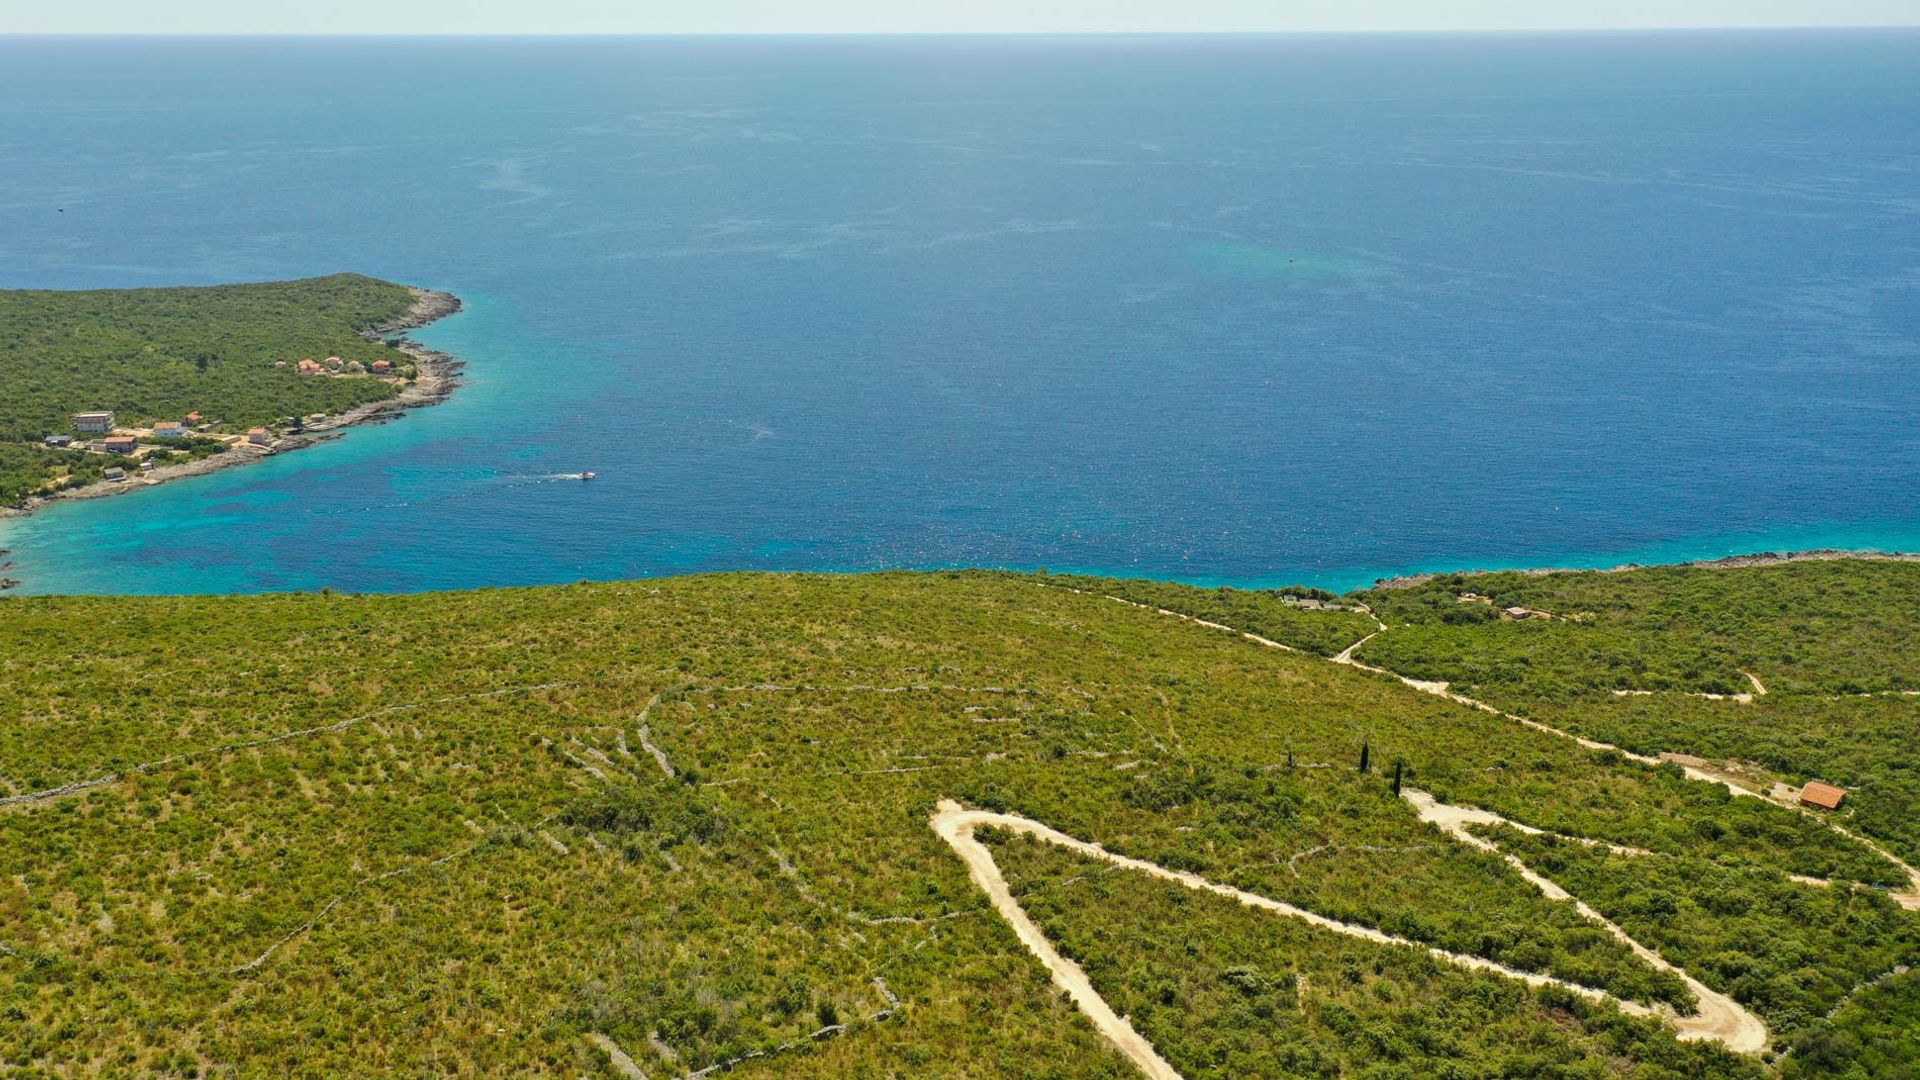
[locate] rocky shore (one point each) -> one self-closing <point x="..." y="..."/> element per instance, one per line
<point x="436" y="380"/>
<point x="1730" y="562"/>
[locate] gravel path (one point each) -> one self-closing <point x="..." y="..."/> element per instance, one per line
<point x="1719" y="1018"/>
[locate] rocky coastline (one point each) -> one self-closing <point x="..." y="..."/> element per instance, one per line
<point x="1729" y="562"/>
<point x="437" y="379"/>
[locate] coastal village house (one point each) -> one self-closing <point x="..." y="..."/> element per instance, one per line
<point x="115" y="473"/>
<point x="1822" y="796"/>
<point x="95" y="422"/>
<point x="309" y="367"/>
<point x="121" y="444"/>
<point x="259" y="436"/>
<point x="59" y="440"/>
<point x="170" y="429"/>
<point x="381" y="367"/>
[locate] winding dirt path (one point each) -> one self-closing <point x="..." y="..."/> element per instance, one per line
<point x="1909" y="898"/>
<point x="955" y="824"/>
<point x="1719" y="1018"/>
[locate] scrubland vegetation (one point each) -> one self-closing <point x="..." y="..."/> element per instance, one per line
<point x="1832" y="642"/>
<point x="691" y="816"/>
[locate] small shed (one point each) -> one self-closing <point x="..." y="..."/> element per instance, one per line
<point x="1822" y="796"/>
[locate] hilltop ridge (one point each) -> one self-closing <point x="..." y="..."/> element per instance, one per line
<point x="688" y="819"/>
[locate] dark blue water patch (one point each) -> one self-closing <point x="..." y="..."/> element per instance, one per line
<point x="1224" y="309"/>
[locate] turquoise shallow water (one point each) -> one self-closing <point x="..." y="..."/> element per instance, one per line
<point x="1253" y="310"/>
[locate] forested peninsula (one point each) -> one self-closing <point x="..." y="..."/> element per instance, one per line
<point x="105" y="390"/>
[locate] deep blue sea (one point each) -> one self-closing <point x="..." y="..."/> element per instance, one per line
<point x="1248" y="310"/>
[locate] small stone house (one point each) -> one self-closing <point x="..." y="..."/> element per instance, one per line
<point x="1822" y="796"/>
<point x="259" y="436"/>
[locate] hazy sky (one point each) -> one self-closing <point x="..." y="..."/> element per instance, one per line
<point x="906" y="16"/>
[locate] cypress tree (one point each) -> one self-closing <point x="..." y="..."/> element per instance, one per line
<point x="1396" y="777"/>
<point x="1366" y="755"/>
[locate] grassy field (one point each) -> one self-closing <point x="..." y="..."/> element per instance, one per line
<point x="463" y="832"/>
<point x="159" y="354"/>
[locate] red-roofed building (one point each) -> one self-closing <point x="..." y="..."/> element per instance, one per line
<point x="1822" y="796"/>
<point x="381" y="367"/>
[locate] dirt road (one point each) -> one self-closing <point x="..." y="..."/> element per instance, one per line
<point x="1719" y="1018"/>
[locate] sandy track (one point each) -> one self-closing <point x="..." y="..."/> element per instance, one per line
<point x="1719" y="1018"/>
<point x="618" y="1058"/>
<point x="1909" y="898"/>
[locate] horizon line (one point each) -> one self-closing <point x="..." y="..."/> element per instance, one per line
<point x="1136" y="33"/>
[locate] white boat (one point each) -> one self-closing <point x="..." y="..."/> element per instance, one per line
<point x="586" y="476"/>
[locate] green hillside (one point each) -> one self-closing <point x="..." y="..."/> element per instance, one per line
<point x="495" y="833"/>
<point x="159" y="354"/>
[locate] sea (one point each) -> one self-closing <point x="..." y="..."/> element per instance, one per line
<point x="1245" y="310"/>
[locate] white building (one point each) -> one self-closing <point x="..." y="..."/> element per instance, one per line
<point x="93" y="421"/>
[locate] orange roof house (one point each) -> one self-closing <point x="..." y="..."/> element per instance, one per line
<point x="381" y="367"/>
<point x="1822" y="796"/>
